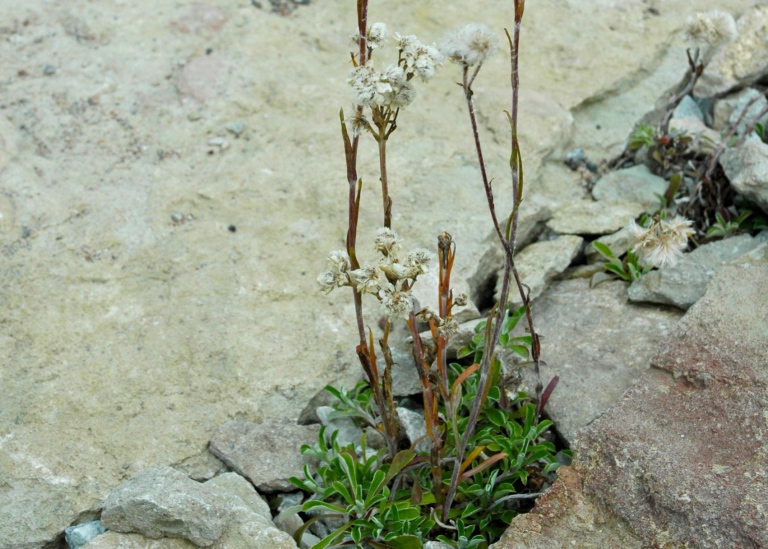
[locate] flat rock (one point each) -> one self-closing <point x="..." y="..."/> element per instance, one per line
<point x="680" y="458"/>
<point x="635" y="184"/>
<point x="746" y="167"/>
<point x="540" y="263"/>
<point x="684" y="283"/>
<point x="349" y="433"/>
<point x="162" y="502"/>
<point x="267" y="454"/>
<point x="617" y="242"/>
<point x="412" y="426"/>
<point x="740" y="62"/>
<point x="598" y="344"/>
<point x="729" y="108"/>
<point x="586" y="217"/>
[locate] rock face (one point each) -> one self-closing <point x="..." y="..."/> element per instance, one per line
<point x="594" y="218"/>
<point x="267" y="454"/>
<point x="679" y="461"/>
<point x="746" y="167"/>
<point x="597" y="343"/>
<point x="684" y="283"/>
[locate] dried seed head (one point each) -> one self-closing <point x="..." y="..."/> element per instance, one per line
<point x="336" y="276"/>
<point x="461" y="300"/>
<point x="418" y="260"/>
<point x="386" y="242"/>
<point x="366" y="280"/>
<point x="712" y="27"/>
<point x="376" y="36"/>
<point x="358" y="123"/>
<point x="448" y="328"/>
<point x="396" y="303"/>
<point x="662" y="243"/>
<point x="471" y="44"/>
<point x="418" y="59"/>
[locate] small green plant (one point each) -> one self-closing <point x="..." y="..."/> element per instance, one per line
<point x="762" y="132"/>
<point x="641" y="137"/>
<point x="628" y="269"/>
<point x="722" y="228"/>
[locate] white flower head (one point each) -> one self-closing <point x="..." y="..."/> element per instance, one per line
<point x="386" y="242"/>
<point x="712" y="27"/>
<point x="397" y="271"/>
<point x="418" y="59"/>
<point x="447" y="328"/>
<point x="662" y="243"/>
<point x="388" y="88"/>
<point x="418" y="260"/>
<point x="336" y="276"/>
<point x="461" y="300"/>
<point x="396" y="303"/>
<point x="375" y="37"/>
<point x="471" y="44"/>
<point x="404" y="96"/>
<point x="366" y="280"/>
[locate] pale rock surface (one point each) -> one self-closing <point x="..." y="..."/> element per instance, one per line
<point x="412" y="426"/>
<point x="635" y="184"/>
<point x="162" y="502"/>
<point x="348" y="432"/>
<point x="740" y="62"/>
<point x="705" y="139"/>
<point x="201" y="467"/>
<point x="728" y="109"/>
<point x="540" y="263"/>
<point x="115" y="216"/>
<point x="267" y="454"/>
<point x="598" y="344"/>
<point x="746" y="167"/>
<point x="586" y="217"/>
<point x="682" y="284"/>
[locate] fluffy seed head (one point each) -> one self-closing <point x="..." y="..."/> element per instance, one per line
<point x="386" y="242"/>
<point x="376" y="36"/>
<point x="418" y="59"/>
<point x="712" y="27"/>
<point x="662" y="243"/>
<point x="471" y="44"/>
<point x="396" y="303"/>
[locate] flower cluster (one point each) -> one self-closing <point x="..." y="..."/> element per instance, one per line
<point x="384" y="89"/>
<point x="662" y="243"/>
<point x="418" y="59"/>
<point x="712" y="27"/>
<point x="470" y="45"/>
<point x="390" y="281"/>
<point x="375" y="36"/>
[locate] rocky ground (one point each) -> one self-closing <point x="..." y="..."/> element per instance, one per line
<point x="172" y="178"/>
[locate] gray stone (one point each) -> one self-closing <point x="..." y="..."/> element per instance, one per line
<point x="746" y="167"/>
<point x="685" y="282"/>
<point x="597" y="343"/>
<point x="267" y="454"/>
<point x="688" y="108"/>
<point x="348" y="432"/>
<point x="539" y="264"/>
<point x="291" y="499"/>
<point x="436" y="545"/>
<point x="236" y="127"/>
<point x="162" y="502"/>
<point x="617" y="242"/>
<point x="586" y="217"/>
<point x="705" y="139"/>
<point x="405" y="378"/>
<point x="412" y="425"/>
<point x="78" y="536"/>
<point x="635" y="184"/>
<point x="308" y="415"/>
<point x="728" y="109"/>
<point x="426" y="292"/>
<point x="232" y="484"/>
<point x="741" y="62"/>
<point x="201" y="467"/>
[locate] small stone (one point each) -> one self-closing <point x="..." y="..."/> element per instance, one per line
<point x="412" y="425"/>
<point x="267" y="454"/>
<point x="746" y="167"/>
<point x="177" y="217"/>
<point x="635" y="184"/>
<point x="217" y="142"/>
<point x="688" y="108"/>
<point x="308" y="415"/>
<point x="48" y="70"/>
<point x="617" y="242"/>
<point x="348" y="432"/>
<point x="574" y="158"/>
<point x="236" y="128"/>
<point x="79" y="535"/>
<point x="597" y="218"/>
<point x="194" y="116"/>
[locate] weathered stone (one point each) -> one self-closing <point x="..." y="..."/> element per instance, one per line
<point x="162" y="502"/>
<point x="597" y="343"/>
<point x="201" y="467"/>
<point x="267" y="454"/>
<point x="741" y="62"/>
<point x="728" y="109"/>
<point x="412" y="426"/>
<point x="587" y="217"/>
<point x="232" y="484"/>
<point x="705" y="139"/>
<point x="688" y="108"/>
<point x="685" y="282"/>
<point x="617" y="242"/>
<point x="565" y="517"/>
<point x="426" y="292"/>
<point x="308" y="415"/>
<point x="635" y="184"/>
<point x="681" y="457"/>
<point x="78" y="536"/>
<point x="746" y="167"/>
<point x="539" y="264"/>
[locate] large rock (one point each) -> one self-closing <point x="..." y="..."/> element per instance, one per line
<point x="163" y="502"/>
<point x="679" y="461"/>
<point x="267" y="454"/>
<point x="597" y="343"/>
<point x="746" y="167"/>
<point x="740" y="62"/>
<point x="685" y="282"/>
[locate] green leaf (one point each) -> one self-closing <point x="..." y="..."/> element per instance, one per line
<point x="330" y="538"/>
<point x="519" y="350"/>
<point x="376" y="483"/>
<point x="496" y="416"/>
<point x="314" y="504"/>
<point x="464" y="351"/>
<point x="603" y="249"/>
<point x="342" y="490"/>
<point x="349" y="466"/>
<point x="401" y="459"/>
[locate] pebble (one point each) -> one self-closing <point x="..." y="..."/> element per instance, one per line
<point x="236" y="127"/>
<point x="48" y="70"/>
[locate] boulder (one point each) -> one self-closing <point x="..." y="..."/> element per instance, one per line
<point x="586" y="217"/>
<point x="746" y="167"/>
<point x="635" y="184"/>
